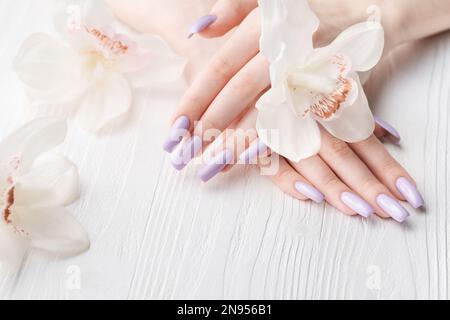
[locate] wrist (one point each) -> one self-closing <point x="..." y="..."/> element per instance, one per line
<point x="391" y="19"/>
<point x="410" y="20"/>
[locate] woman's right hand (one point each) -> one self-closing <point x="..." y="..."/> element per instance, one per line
<point x="357" y="179"/>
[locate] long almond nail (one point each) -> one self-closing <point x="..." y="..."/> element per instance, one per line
<point x="389" y="128"/>
<point x="177" y="132"/>
<point x="216" y="165"/>
<point x="410" y="192"/>
<point x="201" y="24"/>
<point x="181" y="157"/>
<point x="256" y="149"/>
<point x="309" y="191"/>
<point x="357" y="204"/>
<point x="393" y="208"/>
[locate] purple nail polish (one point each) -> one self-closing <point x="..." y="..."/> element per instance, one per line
<point x="309" y="191"/>
<point x="201" y="24"/>
<point x="177" y="132"/>
<point x="393" y="208"/>
<point x="390" y="129"/>
<point x="410" y="192"/>
<point x="357" y="204"/>
<point x="216" y="165"/>
<point x="256" y="149"/>
<point x="181" y="157"/>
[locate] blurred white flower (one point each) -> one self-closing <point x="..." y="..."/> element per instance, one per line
<point x="35" y="187"/>
<point x="93" y="67"/>
<point x="311" y="86"/>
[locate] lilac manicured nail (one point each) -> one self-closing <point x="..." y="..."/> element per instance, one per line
<point x="256" y="149"/>
<point x="392" y="207"/>
<point x="177" y="132"/>
<point x="216" y="165"/>
<point x="309" y="191"/>
<point x="410" y="192"/>
<point x="390" y="129"/>
<point x="181" y="157"/>
<point x="357" y="204"/>
<point x="201" y="24"/>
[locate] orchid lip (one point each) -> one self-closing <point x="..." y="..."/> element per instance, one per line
<point x="326" y="93"/>
<point x="116" y="47"/>
<point x="8" y="205"/>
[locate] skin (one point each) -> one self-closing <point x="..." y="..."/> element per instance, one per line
<point x="222" y="95"/>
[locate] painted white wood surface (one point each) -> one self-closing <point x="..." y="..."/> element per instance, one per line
<point x="159" y="234"/>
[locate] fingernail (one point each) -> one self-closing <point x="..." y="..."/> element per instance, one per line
<point x="389" y="128"/>
<point x="177" y="132"/>
<point x="309" y="191"/>
<point x="410" y="192"/>
<point x="357" y="204"/>
<point x="201" y="24"/>
<point x="256" y="149"/>
<point x="186" y="153"/>
<point x="216" y="165"/>
<point x="392" y="207"/>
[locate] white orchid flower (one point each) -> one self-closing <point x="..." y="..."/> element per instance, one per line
<point x="35" y="187"/>
<point x="311" y="86"/>
<point x="94" y="67"/>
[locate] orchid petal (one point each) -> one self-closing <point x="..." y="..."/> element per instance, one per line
<point x="295" y="138"/>
<point x="97" y="14"/>
<point x="12" y="247"/>
<point x="354" y="122"/>
<point x="154" y="63"/>
<point x="50" y="70"/>
<point x="52" y="229"/>
<point x="32" y="140"/>
<point x="287" y="30"/>
<point x="52" y="182"/>
<point x="73" y="15"/>
<point x="108" y="99"/>
<point x="362" y="43"/>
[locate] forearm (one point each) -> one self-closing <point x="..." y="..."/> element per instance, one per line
<point x="418" y="19"/>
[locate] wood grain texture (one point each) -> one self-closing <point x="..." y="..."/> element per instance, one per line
<point x="159" y="234"/>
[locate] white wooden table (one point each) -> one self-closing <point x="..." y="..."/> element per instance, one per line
<point x="159" y="234"/>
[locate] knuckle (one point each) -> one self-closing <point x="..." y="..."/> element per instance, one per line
<point x="192" y="99"/>
<point x="338" y="147"/>
<point x="284" y="174"/>
<point x="247" y="81"/>
<point x="222" y="68"/>
<point x="331" y="183"/>
<point x="391" y="167"/>
<point x="371" y="184"/>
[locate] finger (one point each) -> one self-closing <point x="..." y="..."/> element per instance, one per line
<point x="388" y="171"/>
<point x="294" y="184"/>
<point x="355" y="174"/>
<point x="235" y="98"/>
<point x="236" y="53"/>
<point x="234" y="140"/>
<point x="339" y="195"/>
<point x="229" y="13"/>
<point x="385" y="130"/>
<point x="247" y="148"/>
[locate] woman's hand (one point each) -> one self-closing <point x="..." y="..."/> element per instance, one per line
<point x="360" y="178"/>
<point x="238" y="74"/>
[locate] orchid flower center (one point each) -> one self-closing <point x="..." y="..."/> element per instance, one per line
<point x="7" y="188"/>
<point x="322" y="86"/>
<point x="113" y="47"/>
<point x="105" y="51"/>
<point x="8" y="196"/>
